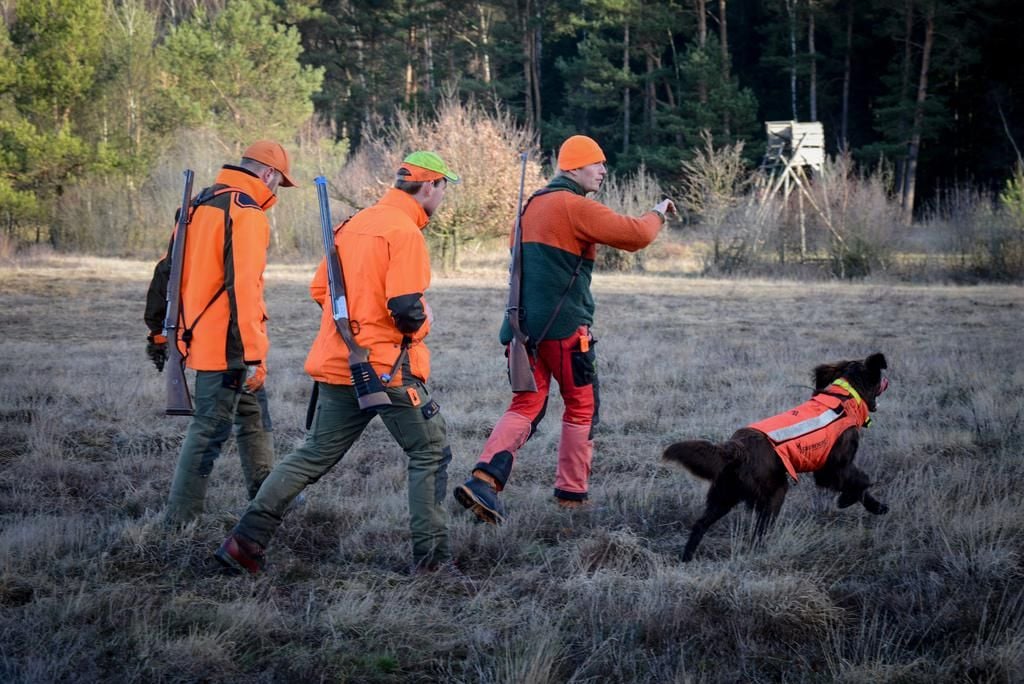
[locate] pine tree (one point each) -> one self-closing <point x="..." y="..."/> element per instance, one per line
<point x="239" y="73"/>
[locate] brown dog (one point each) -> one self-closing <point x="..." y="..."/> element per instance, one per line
<point x="819" y="436"/>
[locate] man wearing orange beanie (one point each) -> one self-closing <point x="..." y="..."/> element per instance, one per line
<point x="561" y="229"/>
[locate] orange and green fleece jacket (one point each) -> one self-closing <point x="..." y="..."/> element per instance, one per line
<point x="562" y="228"/>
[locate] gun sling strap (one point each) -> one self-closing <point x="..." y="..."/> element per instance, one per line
<point x="205" y="197"/>
<point x="531" y="341"/>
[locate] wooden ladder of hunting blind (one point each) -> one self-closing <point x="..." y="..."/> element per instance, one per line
<point x="792" y="148"/>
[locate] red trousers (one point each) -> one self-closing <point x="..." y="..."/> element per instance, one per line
<point x="575" y="371"/>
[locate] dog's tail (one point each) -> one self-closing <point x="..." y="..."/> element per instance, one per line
<point x="702" y="458"/>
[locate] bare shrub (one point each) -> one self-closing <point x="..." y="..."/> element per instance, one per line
<point x="858" y="222"/>
<point x="984" y="238"/>
<point x="8" y="247"/>
<point x="845" y="225"/>
<point x="482" y="146"/>
<point x="632" y="195"/>
<point x="711" y="189"/>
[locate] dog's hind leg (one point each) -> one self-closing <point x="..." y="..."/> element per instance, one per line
<point x="767" y="510"/>
<point x="721" y="500"/>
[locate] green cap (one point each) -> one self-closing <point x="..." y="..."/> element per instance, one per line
<point x="431" y="162"/>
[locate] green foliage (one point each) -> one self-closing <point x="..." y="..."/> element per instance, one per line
<point x="729" y="111"/>
<point x="239" y="73"/>
<point x="1012" y="196"/>
<point x="61" y="45"/>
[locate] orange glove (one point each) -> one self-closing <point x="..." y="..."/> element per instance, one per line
<point x="156" y="350"/>
<point x="255" y="376"/>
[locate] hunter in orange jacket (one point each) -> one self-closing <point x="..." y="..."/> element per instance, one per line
<point x="385" y="260"/>
<point x="561" y="229"/>
<point x="386" y="270"/>
<point x="222" y="289"/>
<point x="222" y="325"/>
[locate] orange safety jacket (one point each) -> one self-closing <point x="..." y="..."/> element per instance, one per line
<point x="804" y="436"/>
<point x="562" y="228"/>
<point x="222" y="275"/>
<point x="386" y="266"/>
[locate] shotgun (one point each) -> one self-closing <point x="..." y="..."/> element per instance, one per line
<point x="520" y="370"/>
<point x="179" y="402"/>
<point x="369" y="389"/>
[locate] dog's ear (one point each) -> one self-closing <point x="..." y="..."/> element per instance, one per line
<point x="876" y="362"/>
<point x="826" y="373"/>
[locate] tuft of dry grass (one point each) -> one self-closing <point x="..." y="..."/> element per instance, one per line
<point x="93" y="588"/>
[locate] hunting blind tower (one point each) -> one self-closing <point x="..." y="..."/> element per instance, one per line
<point x="793" y="147"/>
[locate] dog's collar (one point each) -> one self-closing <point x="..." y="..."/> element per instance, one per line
<point x="849" y="388"/>
<point x="855" y="395"/>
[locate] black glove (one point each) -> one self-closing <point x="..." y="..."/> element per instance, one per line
<point x="156" y="350"/>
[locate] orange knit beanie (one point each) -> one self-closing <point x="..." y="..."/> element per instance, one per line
<point x="579" y="151"/>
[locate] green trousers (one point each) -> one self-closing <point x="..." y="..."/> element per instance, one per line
<point x="219" y="405"/>
<point x="418" y="427"/>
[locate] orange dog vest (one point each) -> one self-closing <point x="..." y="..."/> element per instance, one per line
<point x="803" y="436"/>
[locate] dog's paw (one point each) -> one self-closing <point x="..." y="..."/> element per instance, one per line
<point x="874" y="505"/>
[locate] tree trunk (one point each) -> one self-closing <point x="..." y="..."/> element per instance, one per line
<point x="908" y="56"/>
<point x="410" y="74"/>
<point x="702" y="41"/>
<point x="791" y="12"/>
<point x="844" y="141"/>
<point x="535" y="62"/>
<point x="915" y="136"/>
<point x="428" y="57"/>
<point x="650" y="97"/>
<point x="530" y="31"/>
<point x="723" y="39"/>
<point x="529" y="110"/>
<point x="625" y="90"/>
<point x="813" y="56"/>
<point x="485" y="41"/>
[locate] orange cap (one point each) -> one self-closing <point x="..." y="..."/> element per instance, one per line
<point x="273" y="155"/>
<point x="579" y="151"/>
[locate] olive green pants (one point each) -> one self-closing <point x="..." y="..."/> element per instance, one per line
<point x="338" y="422"/>
<point x="219" y="404"/>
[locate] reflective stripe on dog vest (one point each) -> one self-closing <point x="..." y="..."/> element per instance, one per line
<point x="804" y="436"/>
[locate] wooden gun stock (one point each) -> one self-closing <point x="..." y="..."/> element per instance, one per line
<point x="179" y="401"/>
<point x="520" y="369"/>
<point x="370" y="391"/>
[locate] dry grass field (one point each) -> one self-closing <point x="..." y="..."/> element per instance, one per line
<point x="92" y="588"/>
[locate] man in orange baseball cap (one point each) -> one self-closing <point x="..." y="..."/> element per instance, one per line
<point x="387" y="268"/>
<point x="561" y="228"/>
<point x="223" y="329"/>
<point x="272" y="154"/>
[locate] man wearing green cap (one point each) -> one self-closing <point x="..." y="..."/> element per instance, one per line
<point x="387" y="270"/>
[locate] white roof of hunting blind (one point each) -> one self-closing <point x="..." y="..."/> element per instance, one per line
<point x="802" y="143"/>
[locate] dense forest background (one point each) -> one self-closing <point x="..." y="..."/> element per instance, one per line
<point x="100" y="99"/>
